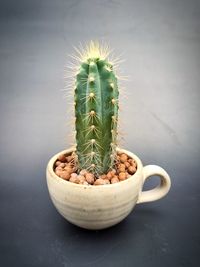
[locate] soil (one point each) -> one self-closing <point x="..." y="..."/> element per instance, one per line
<point x="65" y="167"/>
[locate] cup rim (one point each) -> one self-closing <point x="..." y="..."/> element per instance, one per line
<point x="53" y="159"/>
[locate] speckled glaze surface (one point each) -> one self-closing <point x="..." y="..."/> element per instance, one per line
<point x="99" y="207"/>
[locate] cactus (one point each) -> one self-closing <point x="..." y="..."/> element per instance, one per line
<point x="96" y="111"/>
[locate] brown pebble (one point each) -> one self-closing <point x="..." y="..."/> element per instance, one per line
<point x="121" y="165"/>
<point x="68" y="169"/>
<point x="74" y="169"/>
<point x="121" y="168"/>
<point x="109" y="175"/>
<point x="59" y="168"/>
<point x="132" y="162"/>
<point x="123" y="157"/>
<point x="74" y="180"/>
<point x="122" y="176"/>
<point x="69" y="159"/>
<point x="89" y="177"/>
<point x="113" y="171"/>
<point x="74" y="175"/>
<point x="114" y="180"/>
<point x="101" y="181"/>
<point x="85" y="183"/>
<point x="65" y="175"/>
<point x="127" y="164"/>
<point x="62" y="158"/>
<point x="58" y="171"/>
<point x="62" y="165"/>
<point x="128" y="175"/>
<point x="103" y="176"/>
<point x="58" y="163"/>
<point x="132" y="169"/>
<point x="81" y="179"/>
<point x="83" y="172"/>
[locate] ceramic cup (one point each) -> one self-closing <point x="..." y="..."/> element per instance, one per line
<point x="98" y="207"/>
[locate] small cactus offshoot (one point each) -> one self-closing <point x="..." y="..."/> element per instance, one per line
<point x="96" y="110"/>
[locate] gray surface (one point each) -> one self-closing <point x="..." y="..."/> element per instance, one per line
<point x="160" y="41"/>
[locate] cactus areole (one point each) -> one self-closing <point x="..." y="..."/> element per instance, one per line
<point x="96" y="111"/>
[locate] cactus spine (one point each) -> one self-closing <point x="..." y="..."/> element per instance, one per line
<point x="96" y="111"/>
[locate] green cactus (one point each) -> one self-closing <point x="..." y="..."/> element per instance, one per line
<point x="96" y="111"/>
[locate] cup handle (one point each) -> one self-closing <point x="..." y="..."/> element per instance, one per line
<point x="158" y="192"/>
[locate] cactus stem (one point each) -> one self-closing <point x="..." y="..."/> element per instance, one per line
<point x="113" y="147"/>
<point x="91" y="79"/>
<point x="96" y="109"/>
<point x="94" y="129"/>
<point x="108" y="68"/>
<point x="86" y="148"/>
<point x="92" y="154"/>
<point x="91" y="116"/>
<point x="112" y="85"/>
<point x="92" y="166"/>
<point x="114" y="101"/>
<point x="92" y="113"/>
<point x="91" y="95"/>
<point x="92" y="144"/>
<point x="98" y="146"/>
<point x="97" y="132"/>
<point x="114" y="119"/>
<point x="90" y="129"/>
<point x="84" y="79"/>
<point x="87" y="160"/>
<point x="114" y="133"/>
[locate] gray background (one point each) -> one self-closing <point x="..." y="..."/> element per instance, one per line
<point x="160" y="41"/>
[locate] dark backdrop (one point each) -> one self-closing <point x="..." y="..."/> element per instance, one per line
<point x="160" y="41"/>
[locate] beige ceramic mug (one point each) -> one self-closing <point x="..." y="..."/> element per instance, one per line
<point x="98" y="207"/>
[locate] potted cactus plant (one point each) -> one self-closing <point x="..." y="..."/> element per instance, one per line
<point x="95" y="184"/>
